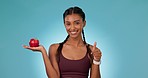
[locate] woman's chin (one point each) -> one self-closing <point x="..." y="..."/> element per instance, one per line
<point x="73" y="36"/>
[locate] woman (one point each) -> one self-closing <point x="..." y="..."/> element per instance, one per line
<point x="73" y="57"/>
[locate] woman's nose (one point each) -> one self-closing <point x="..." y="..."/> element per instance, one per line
<point x="72" y="27"/>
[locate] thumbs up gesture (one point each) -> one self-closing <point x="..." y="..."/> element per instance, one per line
<point x="96" y="52"/>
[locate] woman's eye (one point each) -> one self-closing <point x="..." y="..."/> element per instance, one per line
<point x="77" y="23"/>
<point x="67" y="24"/>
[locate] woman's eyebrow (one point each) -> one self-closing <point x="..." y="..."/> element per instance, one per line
<point x="77" y="20"/>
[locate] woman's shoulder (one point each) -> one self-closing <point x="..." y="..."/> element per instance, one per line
<point x="89" y="45"/>
<point x="53" y="48"/>
<point x="54" y="45"/>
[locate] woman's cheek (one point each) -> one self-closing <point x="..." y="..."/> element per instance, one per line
<point x="67" y="27"/>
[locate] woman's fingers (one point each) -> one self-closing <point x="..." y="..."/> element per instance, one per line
<point x="96" y="52"/>
<point x="97" y="55"/>
<point x="25" y="46"/>
<point x="31" y="48"/>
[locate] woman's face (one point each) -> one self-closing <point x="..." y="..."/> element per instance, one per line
<point x="74" y="25"/>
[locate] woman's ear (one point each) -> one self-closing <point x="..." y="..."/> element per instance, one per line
<point x="84" y="23"/>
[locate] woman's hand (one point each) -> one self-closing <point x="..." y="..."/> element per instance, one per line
<point x="40" y="48"/>
<point x="96" y="53"/>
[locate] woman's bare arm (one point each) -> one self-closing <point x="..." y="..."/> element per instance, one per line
<point x="53" y="58"/>
<point x="95" y="69"/>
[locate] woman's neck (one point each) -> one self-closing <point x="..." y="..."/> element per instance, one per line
<point x="75" y="41"/>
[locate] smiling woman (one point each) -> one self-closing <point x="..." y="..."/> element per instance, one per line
<point x="118" y="26"/>
<point x="73" y="57"/>
<point x="74" y="25"/>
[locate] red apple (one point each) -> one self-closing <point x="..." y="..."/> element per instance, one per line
<point x="34" y="42"/>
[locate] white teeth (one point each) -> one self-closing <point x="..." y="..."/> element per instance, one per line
<point x="73" y="32"/>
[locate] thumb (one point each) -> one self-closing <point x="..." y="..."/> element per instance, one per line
<point x="94" y="47"/>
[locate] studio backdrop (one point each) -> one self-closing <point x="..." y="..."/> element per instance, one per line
<point x="120" y="28"/>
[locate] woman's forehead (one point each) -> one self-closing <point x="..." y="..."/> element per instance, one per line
<point x="73" y="17"/>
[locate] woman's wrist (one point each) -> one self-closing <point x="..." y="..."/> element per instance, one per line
<point x="43" y="51"/>
<point x="96" y="62"/>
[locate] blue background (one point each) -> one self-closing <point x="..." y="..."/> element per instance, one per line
<point x="120" y="28"/>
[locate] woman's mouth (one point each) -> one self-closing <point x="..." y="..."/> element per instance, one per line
<point x="73" y="32"/>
